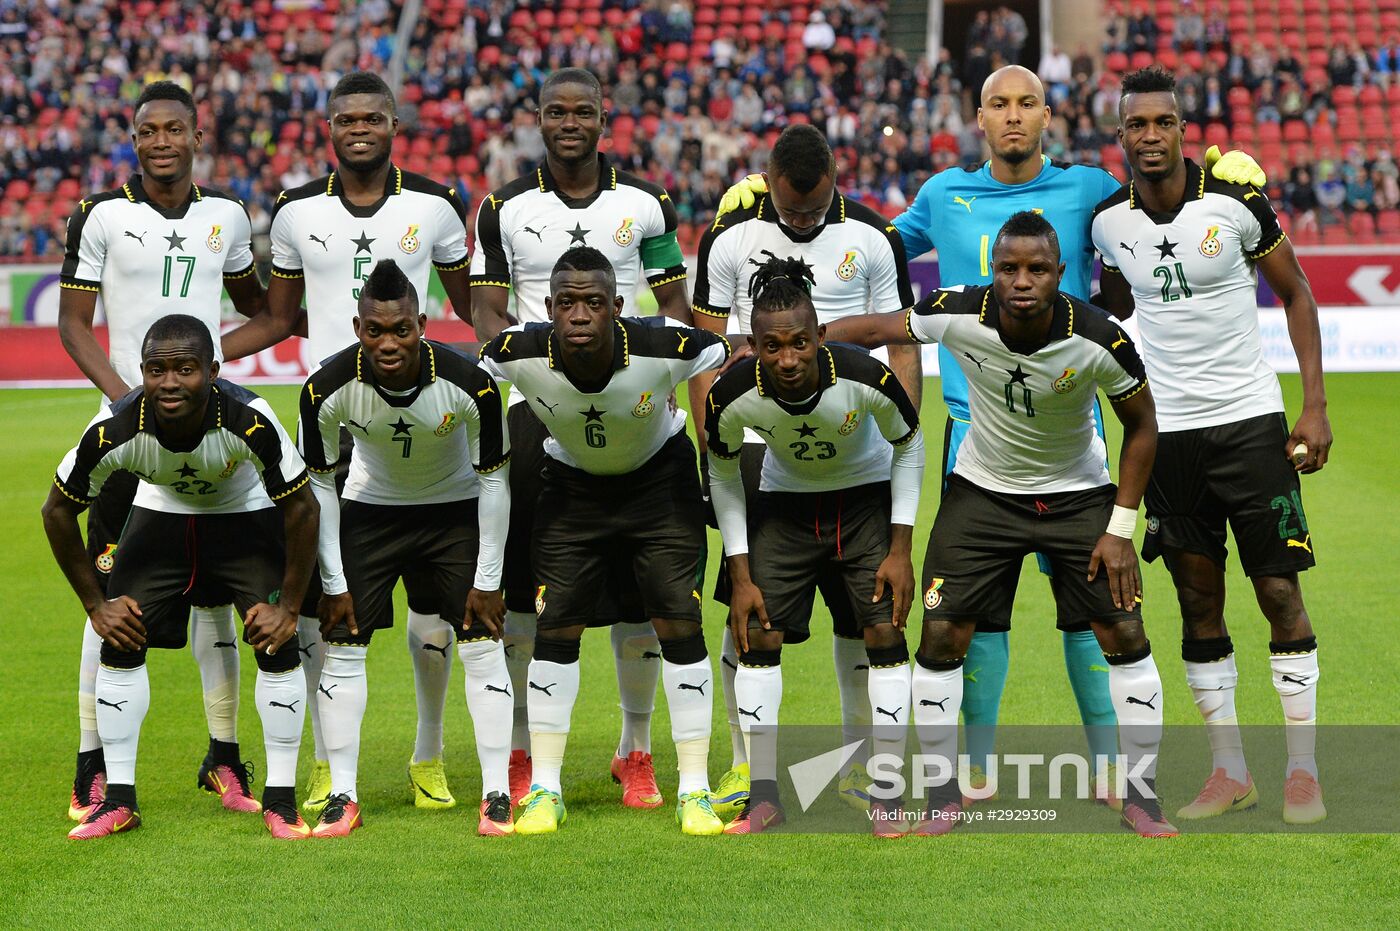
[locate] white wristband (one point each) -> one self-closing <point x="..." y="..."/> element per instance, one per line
<point x="1123" y="522"/>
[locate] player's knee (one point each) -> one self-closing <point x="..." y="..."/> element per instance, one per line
<point x="887" y="655"/>
<point x="563" y="651"/>
<point x="1202" y="610"/>
<point x="686" y="649"/>
<point x="1281" y="600"/>
<point x="760" y="658"/>
<point x="883" y="637"/>
<point x="284" y="660"/>
<point x="668" y="629"/>
<point x="114" y="658"/>
<point x="944" y="641"/>
<point x="1125" y="638"/>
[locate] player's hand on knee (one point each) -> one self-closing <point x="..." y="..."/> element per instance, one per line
<point x="336" y="610"/>
<point x="746" y="602"/>
<point x="117" y="621"/>
<point x="269" y="626"/>
<point x="1119" y="559"/>
<point x="489" y="608"/>
<point x="742" y="194"/>
<point x="896" y="572"/>
<point x="1310" y="442"/>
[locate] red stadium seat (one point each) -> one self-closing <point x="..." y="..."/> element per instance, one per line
<point x="1388" y="225"/>
<point x="1116" y="62"/>
<point x="1269" y="132"/>
<point x="1362" y="227"/>
<point x="1295" y="131"/>
<point x="1193" y="133"/>
<point x="1140" y="60"/>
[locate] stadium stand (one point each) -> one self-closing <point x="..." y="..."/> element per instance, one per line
<point x="698" y="91"/>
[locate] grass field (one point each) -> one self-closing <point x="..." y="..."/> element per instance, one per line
<point x="192" y="863"/>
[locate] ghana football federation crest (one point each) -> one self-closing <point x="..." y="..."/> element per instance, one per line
<point x="215" y="242"/>
<point x="449" y="423"/>
<point x="847" y="269"/>
<point x="1065" y="383"/>
<point x="1210" y="246"/>
<point x="107" y="558"/>
<point x="933" y="597"/>
<point x="539" y="600"/>
<point x="851" y="424"/>
<point x="409" y="242"/>
<point x="644" y="406"/>
<point x="623" y="235"/>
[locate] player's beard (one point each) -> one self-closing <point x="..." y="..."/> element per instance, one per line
<point x="367" y="165"/>
<point x="1017" y="156"/>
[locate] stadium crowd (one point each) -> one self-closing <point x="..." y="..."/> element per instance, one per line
<point x="698" y="93"/>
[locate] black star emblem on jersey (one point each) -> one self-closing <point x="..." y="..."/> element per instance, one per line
<point x="185" y="471"/>
<point x="362" y="244"/>
<point x="1018" y="377"/>
<point x="592" y="414"/>
<point x="1165" y="248"/>
<point x="401" y="427"/>
<point x="577" y="233"/>
<point x="805" y="430"/>
<point x="176" y="241"/>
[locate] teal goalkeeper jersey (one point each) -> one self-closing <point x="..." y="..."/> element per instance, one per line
<point x="959" y="213"/>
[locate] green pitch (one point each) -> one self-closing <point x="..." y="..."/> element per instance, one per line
<point x="193" y="863"/>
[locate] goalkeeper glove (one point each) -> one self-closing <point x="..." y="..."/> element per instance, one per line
<point x="1237" y="167"/>
<point x="742" y="194"/>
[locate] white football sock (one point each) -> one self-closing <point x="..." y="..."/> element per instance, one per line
<point x="313" y="654"/>
<point x="553" y="689"/>
<point x="281" y="701"/>
<point x="123" y="697"/>
<point x="1295" y="679"/>
<point x="1213" y="687"/>
<point x="728" y="667"/>
<point x="1136" y="689"/>
<point x="853" y="685"/>
<point x="519" y="643"/>
<point x="89" y="659"/>
<point x="214" y="642"/>
<point x="490" y="702"/>
<point x="430" y="640"/>
<point x="690" y="698"/>
<point x="343" y="690"/>
<point x="937" y="698"/>
<point x="638" y="656"/>
<point x="890" y="690"/>
<point x="758" y="694"/>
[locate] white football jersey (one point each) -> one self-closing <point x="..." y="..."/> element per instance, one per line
<point x="319" y="235"/>
<point x="1032" y="406"/>
<point x="243" y="462"/>
<point x="423" y="447"/>
<point x="619" y="428"/>
<point x="523" y="228"/>
<point x="147" y="262"/>
<point x="856" y="257"/>
<point x="1194" y="287"/>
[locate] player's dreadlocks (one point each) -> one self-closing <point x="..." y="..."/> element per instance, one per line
<point x="780" y="284"/>
<point x="388" y="283"/>
<point x="181" y="328"/>
<point x="585" y="259"/>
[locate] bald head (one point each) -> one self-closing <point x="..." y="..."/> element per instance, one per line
<point x="1013" y="79"/>
<point x="1013" y="115"/>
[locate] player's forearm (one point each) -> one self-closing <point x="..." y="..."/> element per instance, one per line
<point x="1306" y="335"/>
<point x="300" y="523"/>
<point x="907" y="363"/>
<point x="906" y="480"/>
<point x="870" y="330"/>
<point x="489" y="311"/>
<point x="457" y="286"/>
<point x="84" y="349"/>
<point x="727" y="497"/>
<point x="1138" y="451"/>
<point x="257" y="334"/>
<point x="248" y="295"/>
<point x="673" y="302"/>
<point x="493" y="519"/>
<point x="901" y="539"/>
<point x="328" y="535"/>
<point x="66" y="541"/>
<point x="699" y="390"/>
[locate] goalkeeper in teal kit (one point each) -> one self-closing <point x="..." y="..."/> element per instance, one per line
<point x="958" y="213"/>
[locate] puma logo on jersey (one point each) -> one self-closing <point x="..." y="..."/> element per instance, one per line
<point x="257" y="425"/>
<point x="1119" y="341"/>
<point x="942" y="296"/>
<point x="141" y="239"/>
<point x="489" y="389"/>
<point x="546" y="404"/>
<point x="319" y="241"/>
<point x="884" y="377"/>
<point x="494" y="201"/>
<point x="102" y="437"/>
<point x="965" y="203"/>
<point x="83" y="205"/>
<point x="537" y="233"/>
<point x="311" y="392"/>
<point x="1304" y="544"/>
<point x="1252" y="193"/>
<point x="505" y="343"/>
<point x="680" y="347"/>
<point x="1131" y="250"/>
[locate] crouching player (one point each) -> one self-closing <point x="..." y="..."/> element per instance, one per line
<point x="619" y="482"/>
<point x="838" y="495"/>
<point x="1030" y="478"/>
<point x="213" y="462"/>
<point x="426" y="501"/>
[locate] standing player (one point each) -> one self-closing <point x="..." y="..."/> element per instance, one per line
<point x="843" y="455"/>
<point x="576" y="197"/>
<point x="326" y="237"/>
<point x="619" y="484"/>
<point x="426" y="501"/>
<point x="159" y="243"/>
<point x="213" y="460"/>
<point x="1031" y="478"/>
<point x="856" y="260"/>
<point x="1183" y="249"/>
<point x="958" y="213"/>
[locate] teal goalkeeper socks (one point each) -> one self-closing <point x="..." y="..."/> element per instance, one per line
<point x="1088" y="676"/>
<point x="984" y="679"/>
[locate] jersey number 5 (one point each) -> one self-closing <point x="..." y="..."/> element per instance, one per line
<point x="362" y="262"/>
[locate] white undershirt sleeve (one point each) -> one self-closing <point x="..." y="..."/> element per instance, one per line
<point x="492" y="519"/>
<point x="906" y="478"/>
<point x="328" y="537"/>
<point x="727" y="497"/>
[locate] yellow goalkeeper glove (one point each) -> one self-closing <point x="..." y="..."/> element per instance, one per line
<point x="1237" y="167"/>
<point x="742" y="194"/>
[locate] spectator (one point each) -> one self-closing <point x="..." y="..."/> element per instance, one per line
<point x="1056" y="71"/>
<point x="1300" y="198"/>
<point x="1142" y="31"/>
<point x="818" y="36"/>
<point x="1190" y="30"/>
